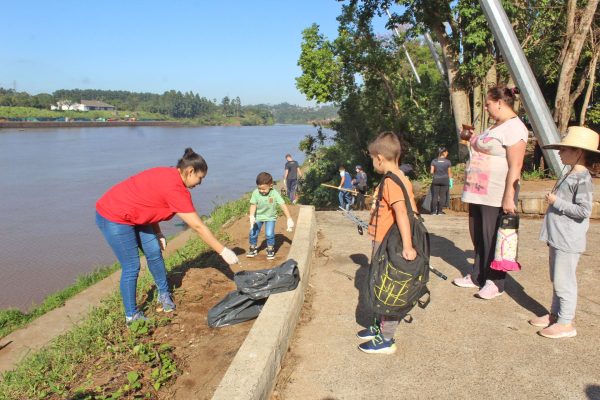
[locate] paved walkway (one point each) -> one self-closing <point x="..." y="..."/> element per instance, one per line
<point x="460" y="346"/>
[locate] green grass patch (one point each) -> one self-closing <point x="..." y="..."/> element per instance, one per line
<point x="103" y="340"/>
<point x="31" y="112"/>
<point x="12" y="319"/>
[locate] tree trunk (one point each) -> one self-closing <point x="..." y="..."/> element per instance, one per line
<point x="590" y="87"/>
<point x="459" y="98"/>
<point x="570" y="57"/>
<point x="390" y="92"/>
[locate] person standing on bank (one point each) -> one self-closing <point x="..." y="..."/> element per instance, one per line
<point x="441" y="183"/>
<point x="345" y="196"/>
<point x="128" y="216"/>
<point x="491" y="186"/>
<point x="290" y="177"/>
<point x="565" y="227"/>
<point x="360" y="184"/>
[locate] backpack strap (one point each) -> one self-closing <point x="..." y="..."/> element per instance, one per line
<point x="398" y="181"/>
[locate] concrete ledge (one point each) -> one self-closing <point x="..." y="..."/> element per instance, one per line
<point x="533" y="204"/>
<point x="253" y="371"/>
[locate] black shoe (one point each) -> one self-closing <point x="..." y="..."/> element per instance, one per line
<point x="441" y="213"/>
<point x="252" y="252"/>
<point x="270" y="252"/>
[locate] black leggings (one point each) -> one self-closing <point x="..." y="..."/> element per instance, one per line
<point x="483" y="227"/>
<point x="439" y="197"/>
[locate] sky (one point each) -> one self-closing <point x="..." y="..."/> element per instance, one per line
<point x="245" y="48"/>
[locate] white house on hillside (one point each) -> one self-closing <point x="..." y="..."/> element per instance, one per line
<point x="84" y="105"/>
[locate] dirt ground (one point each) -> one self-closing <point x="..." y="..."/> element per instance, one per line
<point x="205" y="353"/>
<point x="202" y="354"/>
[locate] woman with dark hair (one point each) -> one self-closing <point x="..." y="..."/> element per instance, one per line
<point x="440" y="185"/>
<point x="491" y="185"/>
<point x="128" y="216"/>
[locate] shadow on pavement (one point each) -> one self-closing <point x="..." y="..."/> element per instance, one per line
<point x="450" y="253"/>
<point x="593" y="392"/>
<point x="517" y="292"/>
<point x="363" y="315"/>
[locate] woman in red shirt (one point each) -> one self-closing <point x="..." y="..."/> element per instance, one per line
<point x="129" y="214"/>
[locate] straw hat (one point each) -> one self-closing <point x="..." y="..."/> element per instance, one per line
<point x="578" y="137"/>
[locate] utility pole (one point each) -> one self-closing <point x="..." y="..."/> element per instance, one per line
<point x="436" y="57"/>
<point x="412" y="66"/>
<point x="541" y="120"/>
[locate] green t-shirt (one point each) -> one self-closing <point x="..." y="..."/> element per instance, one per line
<point x="266" y="206"/>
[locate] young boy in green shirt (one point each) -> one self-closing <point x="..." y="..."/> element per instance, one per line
<point x="263" y="211"/>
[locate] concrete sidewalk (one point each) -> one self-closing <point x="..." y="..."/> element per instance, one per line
<point x="460" y="346"/>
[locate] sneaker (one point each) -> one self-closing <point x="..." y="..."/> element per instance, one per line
<point x="558" y="331"/>
<point x="441" y="213"/>
<point x="378" y="345"/>
<point x="370" y="332"/>
<point x="465" y="282"/>
<point x="489" y="291"/>
<point x="252" y="251"/>
<point x="166" y="303"/>
<point x="138" y="316"/>
<point x="270" y="252"/>
<point x="543" y="321"/>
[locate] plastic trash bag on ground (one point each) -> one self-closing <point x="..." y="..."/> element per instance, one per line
<point x="253" y="289"/>
<point x="262" y="283"/>
<point x="236" y="307"/>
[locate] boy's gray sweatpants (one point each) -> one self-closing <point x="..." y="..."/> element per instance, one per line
<point x="564" y="280"/>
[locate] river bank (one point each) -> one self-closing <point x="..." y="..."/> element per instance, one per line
<point x="83" y="124"/>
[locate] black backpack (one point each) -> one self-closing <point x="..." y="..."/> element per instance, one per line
<point x="395" y="285"/>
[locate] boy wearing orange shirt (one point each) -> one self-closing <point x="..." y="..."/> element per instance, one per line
<point x="385" y="152"/>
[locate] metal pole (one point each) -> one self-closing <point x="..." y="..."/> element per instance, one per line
<point x="435" y="56"/>
<point x="412" y="66"/>
<point x="535" y="105"/>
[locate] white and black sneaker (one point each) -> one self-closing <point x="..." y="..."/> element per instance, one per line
<point x="270" y="252"/>
<point x="252" y="252"/>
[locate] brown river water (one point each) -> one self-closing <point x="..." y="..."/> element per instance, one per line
<point x="50" y="180"/>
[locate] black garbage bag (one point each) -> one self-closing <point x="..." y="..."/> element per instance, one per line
<point x="236" y="307"/>
<point x="260" y="284"/>
<point x="253" y="288"/>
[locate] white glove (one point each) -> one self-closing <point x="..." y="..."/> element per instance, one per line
<point x="229" y="256"/>
<point x="162" y="241"/>
<point x="290" y="224"/>
<point x="252" y="221"/>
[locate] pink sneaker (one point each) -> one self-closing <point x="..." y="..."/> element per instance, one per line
<point x="465" y="282"/>
<point x="543" y="321"/>
<point x="558" y="331"/>
<point x="489" y="291"/>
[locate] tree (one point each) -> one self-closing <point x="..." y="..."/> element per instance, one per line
<point x="579" y="21"/>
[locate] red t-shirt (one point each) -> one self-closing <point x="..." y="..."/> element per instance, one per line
<point x="151" y="196"/>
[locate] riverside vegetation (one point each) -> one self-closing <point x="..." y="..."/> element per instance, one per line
<point x="102" y="341"/>
<point x="187" y="108"/>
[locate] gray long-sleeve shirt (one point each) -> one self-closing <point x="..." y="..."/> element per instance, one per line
<point x="566" y="221"/>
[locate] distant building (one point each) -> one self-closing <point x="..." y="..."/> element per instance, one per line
<point x="84" y="105"/>
<point x="88" y="105"/>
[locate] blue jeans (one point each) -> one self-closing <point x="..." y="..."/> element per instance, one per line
<point x="345" y="198"/>
<point x="291" y="186"/>
<point x="125" y="240"/>
<point x="269" y="232"/>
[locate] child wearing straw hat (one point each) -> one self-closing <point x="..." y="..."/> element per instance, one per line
<point x="564" y="229"/>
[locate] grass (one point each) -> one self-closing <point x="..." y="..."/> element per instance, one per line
<point x="103" y="340"/>
<point x="31" y="112"/>
<point x="12" y="319"/>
